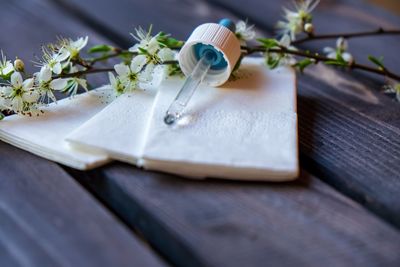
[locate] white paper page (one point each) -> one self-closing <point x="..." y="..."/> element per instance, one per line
<point x="119" y="129"/>
<point x="245" y="130"/>
<point x="44" y="135"/>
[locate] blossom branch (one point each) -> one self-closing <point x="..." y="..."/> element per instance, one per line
<point x="319" y="58"/>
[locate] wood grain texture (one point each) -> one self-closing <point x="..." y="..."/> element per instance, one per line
<point x="46" y="218"/>
<point x="214" y="223"/>
<point x="220" y="223"/>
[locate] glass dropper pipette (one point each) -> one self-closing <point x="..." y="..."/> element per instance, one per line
<point x="180" y="102"/>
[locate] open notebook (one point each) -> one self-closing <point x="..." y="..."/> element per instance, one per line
<point x="246" y="129"/>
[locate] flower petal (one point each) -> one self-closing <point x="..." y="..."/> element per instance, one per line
<point x="121" y="69"/>
<point x="159" y="74"/>
<point x="82" y="83"/>
<point x="17" y="104"/>
<point x="62" y="55"/>
<point x="5" y="91"/>
<point x="137" y="63"/>
<point x="31" y="96"/>
<point x="16" y="79"/>
<point x="4" y="103"/>
<point x="58" y="84"/>
<point x="112" y="79"/>
<point x="45" y="74"/>
<point x="80" y="43"/>
<point x="134" y="48"/>
<point x="347" y="57"/>
<point x="57" y="69"/>
<point x="9" y="67"/>
<point x="147" y="74"/>
<point x="328" y="50"/>
<point x="285" y="40"/>
<point x="342" y="44"/>
<point x="166" y="54"/>
<point x="153" y="46"/>
<point x="27" y="84"/>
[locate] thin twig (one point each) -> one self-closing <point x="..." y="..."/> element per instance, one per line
<point x="117" y="53"/>
<point x="314" y="37"/>
<point x="83" y="72"/>
<point x="91" y="71"/>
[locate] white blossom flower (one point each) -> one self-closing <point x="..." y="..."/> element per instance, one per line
<point x="244" y="32"/>
<point x="18" y="95"/>
<point x="53" y="60"/>
<point x="145" y="41"/>
<point x="296" y="19"/>
<point x="6" y="67"/>
<point x="73" y="85"/>
<point x="72" y="48"/>
<point x="154" y="71"/>
<point x="341" y="50"/>
<point x="129" y="76"/>
<point x="46" y="85"/>
<point x="393" y="88"/>
<point x="116" y="83"/>
<point x="154" y="55"/>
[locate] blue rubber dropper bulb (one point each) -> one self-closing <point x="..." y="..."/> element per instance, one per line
<point x="228" y="24"/>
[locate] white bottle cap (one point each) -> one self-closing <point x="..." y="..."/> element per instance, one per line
<point x="211" y="36"/>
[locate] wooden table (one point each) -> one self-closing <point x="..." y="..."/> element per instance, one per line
<point x="343" y="211"/>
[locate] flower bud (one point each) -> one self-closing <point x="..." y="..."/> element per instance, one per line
<point x="309" y="28"/>
<point x="19" y="65"/>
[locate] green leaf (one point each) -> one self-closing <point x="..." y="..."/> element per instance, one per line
<point x="142" y="51"/>
<point x="166" y="41"/>
<point x="273" y="63"/>
<point x="336" y="63"/>
<point x="103" y="48"/>
<point x="6" y="77"/>
<point x="175" y="70"/>
<point x="377" y="61"/>
<point x="339" y="58"/>
<point x="1" y="116"/>
<point x="268" y="42"/>
<point x="303" y="64"/>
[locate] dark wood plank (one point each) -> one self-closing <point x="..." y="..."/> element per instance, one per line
<point x="46" y="218"/>
<point x="214" y="223"/>
<point x="176" y="17"/>
<point x="220" y="223"/>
